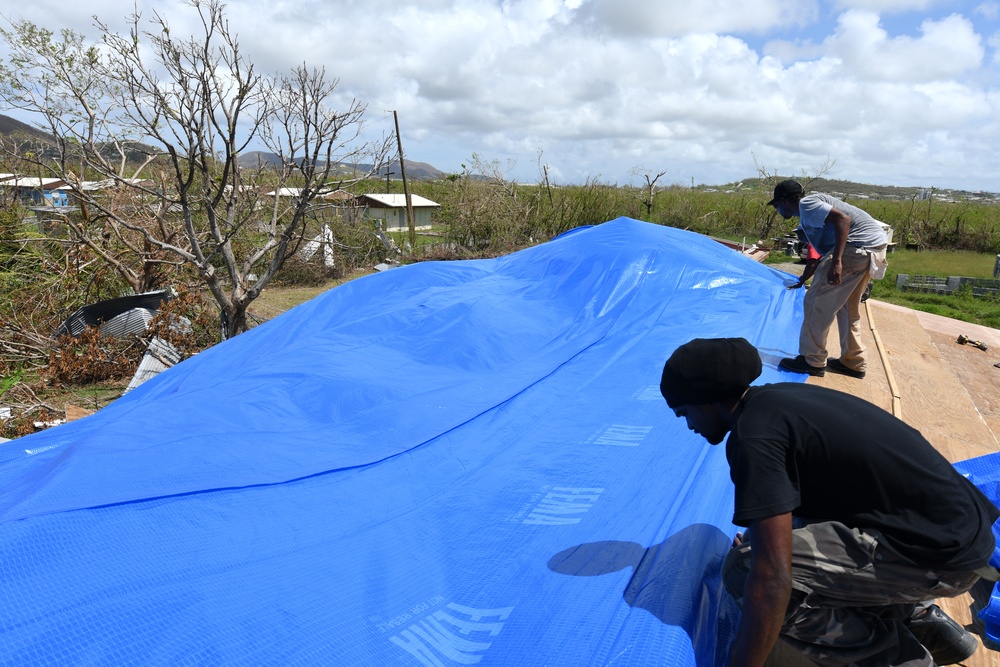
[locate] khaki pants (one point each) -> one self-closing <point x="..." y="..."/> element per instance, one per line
<point x="850" y="596"/>
<point x="825" y="303"/>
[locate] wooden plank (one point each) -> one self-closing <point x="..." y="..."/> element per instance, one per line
<point x="934" y="400"/>
<point x="933" y="373"/>
<point x="874" y="388"/>
<point x="964" y="609"/>
<point x="976" y="372"/>
<point x="946" y="325"/>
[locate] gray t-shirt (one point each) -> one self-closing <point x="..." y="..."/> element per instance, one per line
<point x="865" y="231"/>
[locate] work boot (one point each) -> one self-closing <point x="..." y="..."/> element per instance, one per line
<point x="946" y="641"/>
<point x="800" y="365"/>
<point x="837" y="366"/>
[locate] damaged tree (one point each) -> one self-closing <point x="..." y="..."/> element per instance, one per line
<point x="648" y="193"/>
<point x="160" y="123"/>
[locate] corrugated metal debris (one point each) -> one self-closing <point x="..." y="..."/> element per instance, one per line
<point x="115" y="317"/>
<point x="160" y="355"/>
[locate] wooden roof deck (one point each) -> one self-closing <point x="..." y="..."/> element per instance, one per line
<point x="950" y="392"/>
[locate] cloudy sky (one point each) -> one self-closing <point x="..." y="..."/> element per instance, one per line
<point x="894" y="92"/>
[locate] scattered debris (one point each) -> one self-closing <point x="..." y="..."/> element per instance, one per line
<point x="160" y="355"/>
<point x="965" y="340"/>
<point x="752" y="251"/>
<point x="322" y="240"/>
<point x="115" y="317"/>
<point x="387" y="240"/>
<point x="74" y="412"/>
<point x="938" y="285"/>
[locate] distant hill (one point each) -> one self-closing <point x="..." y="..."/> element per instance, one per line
<point x="10" y="127"/>
<point x="850" y="189"/>
<point x="15" y="129"/>
<point x="421" y="171"/>
<point x="417" y="171"/>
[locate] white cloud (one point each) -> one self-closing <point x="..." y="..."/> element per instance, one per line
<point x="673" y="19"/>
<point x="946" y="48"/>
<point x="889" y="5"/>
<point x="790" y="52"/>
<point x="601" y="86"/>
<point x="988" y="10"/>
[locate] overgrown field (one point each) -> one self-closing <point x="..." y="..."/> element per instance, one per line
<point x="490" y="213"/>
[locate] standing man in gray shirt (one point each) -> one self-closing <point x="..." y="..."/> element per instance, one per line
<point x="852" y="245"/>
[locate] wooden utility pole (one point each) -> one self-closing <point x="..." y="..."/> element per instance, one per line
<point x="406" y="188"/>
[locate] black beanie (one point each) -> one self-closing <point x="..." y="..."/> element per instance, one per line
<point x="709" y="370"/>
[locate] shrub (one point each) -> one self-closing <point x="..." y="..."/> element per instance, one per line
<point x="187" y="321"/>
<point x="310" y="272"/>
<point x="90" y="358"/>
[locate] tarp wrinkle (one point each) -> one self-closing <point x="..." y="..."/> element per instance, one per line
<point x="445" y="464"/>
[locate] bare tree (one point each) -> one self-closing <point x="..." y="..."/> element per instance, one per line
<point x="162" y="121"/>
<point x="492" y="212"/>
<point x="649" y="190"/>
<point x="767" y="180"/>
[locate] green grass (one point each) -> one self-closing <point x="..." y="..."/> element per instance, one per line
<point x="436" y="234"/>
<point x="977" y="310"/>
<point x="276" y="299"/>
<point x="943" y="263"/>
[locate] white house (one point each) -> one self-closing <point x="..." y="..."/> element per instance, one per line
<point x="295" y="193"/>
<point x="391" y="210"/>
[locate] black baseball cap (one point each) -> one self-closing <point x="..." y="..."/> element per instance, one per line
<point x="785" y="188"/>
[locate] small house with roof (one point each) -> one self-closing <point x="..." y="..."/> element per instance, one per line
<point x="33" y="191"/>
<point x="391" y="210"/>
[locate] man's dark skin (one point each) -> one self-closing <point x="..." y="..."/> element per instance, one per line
<point x="810" y="269"/>
<point x="769" y="583"/>
<point x="788" y="207"/>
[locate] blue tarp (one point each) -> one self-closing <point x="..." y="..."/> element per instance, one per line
<point x="984" y="472"/>
<point x="444" y="464"/>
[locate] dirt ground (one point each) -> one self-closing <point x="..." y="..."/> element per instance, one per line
<point x="789" y="267"/>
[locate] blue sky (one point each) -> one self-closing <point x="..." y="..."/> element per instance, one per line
<point x="894" y="92"/>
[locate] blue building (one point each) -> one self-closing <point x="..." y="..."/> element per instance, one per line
<point x="34" y="191"/>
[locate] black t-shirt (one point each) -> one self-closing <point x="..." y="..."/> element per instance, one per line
<point x="825" y="455"/>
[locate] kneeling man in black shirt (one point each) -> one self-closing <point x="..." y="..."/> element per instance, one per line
<point x="855" y="523"/>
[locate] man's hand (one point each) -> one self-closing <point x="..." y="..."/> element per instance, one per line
<point x="767" y="591"/>
<point x="833" y="275"/>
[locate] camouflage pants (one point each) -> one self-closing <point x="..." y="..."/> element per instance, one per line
<point x="849" y="597"/>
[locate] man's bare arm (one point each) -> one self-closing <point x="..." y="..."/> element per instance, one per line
<point x="842" y="226"/>
<point x="768" y="589"/>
